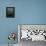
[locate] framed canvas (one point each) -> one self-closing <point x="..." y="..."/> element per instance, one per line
<point x="10" y="12"/>
<point x="32" y="32"/>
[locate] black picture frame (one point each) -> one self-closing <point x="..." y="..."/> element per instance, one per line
<point x="10" y="12"/>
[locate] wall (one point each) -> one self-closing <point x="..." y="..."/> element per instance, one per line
<point x="31" y="11"/>
<point x="7" y="25"/>
<point x="27" y="12"/>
